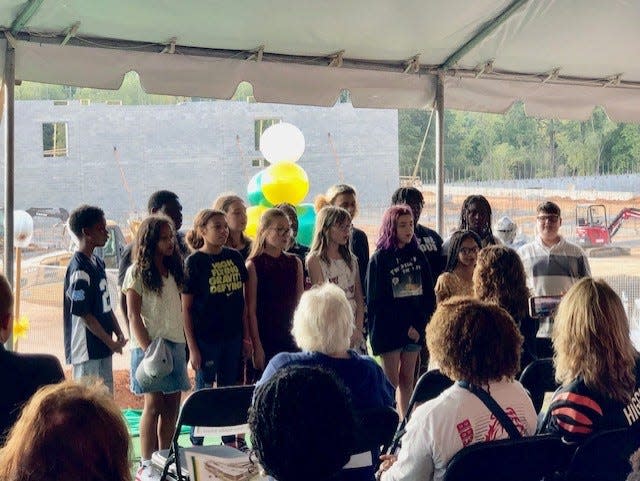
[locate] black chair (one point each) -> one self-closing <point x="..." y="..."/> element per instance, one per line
<point x="225" y="408"/>
<point x="539" y="378"/>
<point x="374" y="430"/>
<point x="429" y="386"/>
<point x="525" y="459"/>
<point x="604" y="456"/>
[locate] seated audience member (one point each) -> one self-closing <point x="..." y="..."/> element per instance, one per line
<point x="68" y="431"/>
<point x="21" y="375"/>
<point x="457" y="278"/>
<point x="322" y="327"/>
<point x="302" y="425"/>
<point x="479" y="343"/>
<point x="499" y="277"/>
<point x="596" y="363"/>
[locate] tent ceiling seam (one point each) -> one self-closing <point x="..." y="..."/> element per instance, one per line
<point x="26" y="14"/>
<point x="487" y="29"/>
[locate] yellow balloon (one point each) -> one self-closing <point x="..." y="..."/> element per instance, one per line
<point x="253" y="219"/>
<point x="285" y="182"/>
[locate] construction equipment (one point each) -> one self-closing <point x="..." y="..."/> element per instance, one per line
<point x="594" y="233"/>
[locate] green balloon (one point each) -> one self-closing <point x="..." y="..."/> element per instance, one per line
<point x="254" y="191"/>
<point x="306" y="223"/>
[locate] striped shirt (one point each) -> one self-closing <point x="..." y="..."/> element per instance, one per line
<point x="551" y="271"/>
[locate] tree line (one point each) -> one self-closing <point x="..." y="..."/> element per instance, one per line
<point x="511" y="145"/>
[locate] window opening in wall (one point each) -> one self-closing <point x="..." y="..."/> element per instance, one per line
<point x="260" y="126"/>
<point x="260" y="162"/>
<point x="54" y="139"/>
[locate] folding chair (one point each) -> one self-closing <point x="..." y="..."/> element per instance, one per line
<point x="224" y="408"/>
<point x="375" y="428"/>
<point x="429" y="386"/>
<point x="604" y="456"/>
<point x="525" y="459"/>
<point x="539" y="378"/>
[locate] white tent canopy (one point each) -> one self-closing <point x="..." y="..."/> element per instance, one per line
<point x="562" y="57"/>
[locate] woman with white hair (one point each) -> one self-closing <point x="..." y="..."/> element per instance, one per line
<point x="323" y="324"/>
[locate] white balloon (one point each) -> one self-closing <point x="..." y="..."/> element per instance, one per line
<point x="282" y="142"/>
<point x="22" y="228"/>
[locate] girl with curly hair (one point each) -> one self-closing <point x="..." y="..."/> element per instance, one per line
<point x="400" y="299"/>
<point x="499" y="277"/>
<point x="596" y="363"/>
<point x="457" y="278"/>
<point x="152" y="286"/>
<point x="476" y="342"/>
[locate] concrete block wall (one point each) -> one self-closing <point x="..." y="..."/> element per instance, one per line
<point x="197" y="149"/>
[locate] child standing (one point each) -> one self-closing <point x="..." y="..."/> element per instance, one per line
<point x="331" y="260"/>
<point x="235" y="211"/>
<point x="89" y="321"/>
<point x="274" y="287"/>
<point x="213" y="304"/>
<point x="400" y="299"/>
<point x="457" y="278"/>
<point x="152" y="286"/>
<point x="344" y="195"/>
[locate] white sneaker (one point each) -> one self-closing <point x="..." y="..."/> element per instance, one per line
<point x="147" y="473"/>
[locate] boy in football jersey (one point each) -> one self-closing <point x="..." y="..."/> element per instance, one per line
<point x="89" y="321"/>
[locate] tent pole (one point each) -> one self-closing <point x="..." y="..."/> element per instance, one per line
<point x="440" y="154"/>
<point x="9" y="85"/>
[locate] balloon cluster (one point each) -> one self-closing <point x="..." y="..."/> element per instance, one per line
<point x="283" y="181"/>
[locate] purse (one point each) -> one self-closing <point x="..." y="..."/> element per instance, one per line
<point x="156" y="364"/>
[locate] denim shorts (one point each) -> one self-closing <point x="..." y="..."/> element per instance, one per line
<point x="99" y="368"/>
<point x="177" y="380"/>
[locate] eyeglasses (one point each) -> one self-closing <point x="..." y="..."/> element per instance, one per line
<point x="281" y="230"/>
<point x="465" y="251"/>
<point x="551" y="218"/>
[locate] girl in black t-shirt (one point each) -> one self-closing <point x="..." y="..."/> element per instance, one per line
<point x="213" y="303"/>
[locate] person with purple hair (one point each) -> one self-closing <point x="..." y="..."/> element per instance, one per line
<point x="400" y="300"/>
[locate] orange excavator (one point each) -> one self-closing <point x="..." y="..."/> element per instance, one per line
<point x="594" y="233"/>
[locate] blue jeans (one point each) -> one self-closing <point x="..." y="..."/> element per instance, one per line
<point x="100" y="368"/>
<point x="220" y="364"/>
